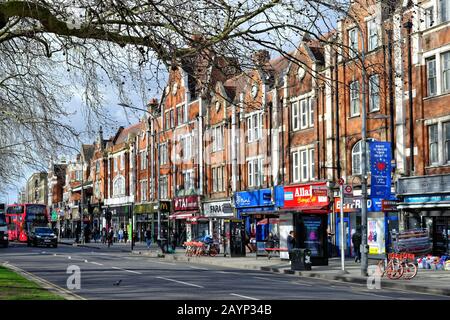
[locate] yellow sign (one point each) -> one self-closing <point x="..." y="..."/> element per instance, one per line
<point x="373" y="250"/>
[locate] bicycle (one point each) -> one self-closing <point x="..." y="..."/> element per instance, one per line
<point x="392" y="269"/>
<point x="409" y="268"/>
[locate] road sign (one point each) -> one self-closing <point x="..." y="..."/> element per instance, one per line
<point x="341" y="181"/>
<point x="348" y="190"/>
<point x="319" y="191"/>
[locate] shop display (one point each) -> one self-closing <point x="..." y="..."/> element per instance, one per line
<point x="434" y="262"/>
<point x="414" y="241"/>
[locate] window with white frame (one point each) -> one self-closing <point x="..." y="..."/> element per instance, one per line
<point x="164" y="187"/>
<point x="97" y="166"/>
<point x="433" y="144"/>
<point x="255" y="172"/>
<point x="353" y="43"/>
<point x="304" y="113"/>
<point x="167" y="120"/>
<point x="374" y="93"/>
<point x="431" y="76"/>
<point x="122" y="161"/>
<point x="188" y="180"/>
<point x="143" y="188"/>
<point x="303" y="165"/>
<point x="180" y="114"/>
<point x="354" y="98"/>
<point x="447" y="142"/>
<point x="254" y="127"/>
<point x="357" y="158"/>
<point x="429" y="17"/>
<point x="116" y="164"/>
<point x="163" y="153"/>
<point x="311" y="112"/>
<point x="78" y="175"/>
<point x="186" y="147"/>
<point x="295" y="110"/>
<point x="143" y="160"/>
<point x="217" y="138"/>
<point x="445" y="61"/>
<point x="97" y="189"/>
<point x="444" y="10"/>
<point x="119" y="186"/>
<point x="372" y="34"/>
<point x="218" y="179"/>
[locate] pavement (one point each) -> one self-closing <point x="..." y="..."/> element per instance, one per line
<point x="112" y="273"/>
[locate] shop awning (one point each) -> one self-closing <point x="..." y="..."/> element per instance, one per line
<point x="423" y="205"/>
<point x="183" y="214"/>
<point x="310" y="209"/>
<point x="198" y="219"/>
<point x="267" y="221"/>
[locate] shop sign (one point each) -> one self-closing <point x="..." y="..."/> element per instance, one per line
<point x="380" y="169"/>
<point x="302" y="196"/>
<point x="373" y="205"/>
<point x="216" y="209"/>
<point x="186" y="203"/>
<point x="424" y="184"/>
<point x="427" y="199"/>
<point x="389" y="205"/>
<point x="54" y="216"/>
<point x="259" y="198"/>
<point x="164" y="206"/>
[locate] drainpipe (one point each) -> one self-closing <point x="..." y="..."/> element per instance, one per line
<point x="408" y="25"/>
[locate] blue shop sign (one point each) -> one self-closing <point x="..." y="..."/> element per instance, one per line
<point x="420" y="199"/>
<point x="260" y="198"/>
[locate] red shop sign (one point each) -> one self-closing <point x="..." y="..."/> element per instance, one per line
<point x="186" y="203"/>
<point x="303" y="196"/>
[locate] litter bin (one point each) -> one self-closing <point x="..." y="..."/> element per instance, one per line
<point x="301" y="259"/>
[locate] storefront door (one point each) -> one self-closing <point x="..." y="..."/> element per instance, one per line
<point x="441" y="230"/>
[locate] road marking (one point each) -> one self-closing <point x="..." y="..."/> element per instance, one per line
<point x="245" y="297"/>
<point x="99" y="264"/>
<point x="116" y="268"/>
<point x="198" y="268"/>
<point x="131" y="271"/>
<point x="227" y="272"/>
<point x="282" y="281"/>
<point x="69" y="257"/>
<point x="182" y="282"/>
<point x="172" y="264"/>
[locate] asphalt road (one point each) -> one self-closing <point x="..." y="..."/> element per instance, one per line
<point x="152" y="278"/>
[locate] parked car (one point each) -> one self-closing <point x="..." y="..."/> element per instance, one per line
<point x="42" y="236"/>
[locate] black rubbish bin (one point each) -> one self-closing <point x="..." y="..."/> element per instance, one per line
<point x="301" y="259"/>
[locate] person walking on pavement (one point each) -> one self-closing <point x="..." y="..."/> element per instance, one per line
<point x="125" y="236"/>
<point x="356" y="239"/>
<point x="290" y="244"/>
<point x="110" y="237"/>
<point x="148" y="238"/>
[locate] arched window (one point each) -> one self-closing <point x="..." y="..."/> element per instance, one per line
<point x="357" y="158"/>
<point x="119" y="186"/>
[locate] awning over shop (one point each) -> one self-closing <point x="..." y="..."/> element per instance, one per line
<point x="197" y="219"/>
<point x="183" y="214"/>
<point x="309" y="209"/>
<point x="424" y="205"/>
<point x="266" y="221"/>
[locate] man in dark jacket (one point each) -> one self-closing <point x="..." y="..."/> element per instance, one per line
<point x="356" y="239"/>
<point x="290" y="243"/>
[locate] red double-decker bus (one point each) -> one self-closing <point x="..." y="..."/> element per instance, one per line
<point x="22" y="217"/>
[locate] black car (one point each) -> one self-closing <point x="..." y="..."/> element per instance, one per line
<point x="42" y="236"/>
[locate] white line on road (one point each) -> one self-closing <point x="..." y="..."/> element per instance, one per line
<point x="172" y="264"/>
<point x="116" y="268"/>
<point x="182" y="282"/>
<point x="131" y="271"/>
<point x="99" y="264"/>
<point x="85" y="261"/>
<point x="226" y="272"/>
<point x="198" y="268"/>
<point x="69" y="257"/>
<point x="295" y="282"/>
<point x="245" y="297"/>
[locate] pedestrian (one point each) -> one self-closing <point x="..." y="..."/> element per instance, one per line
<point x="270" y="241"/>
<point x="356" y="240"/>
<point x="247" y="241"/>
<point x="110" y="237"/>
<point x="290" y="244"/>
<point x="174" y="237"/>
<point x="120" y="235"/>
<point x="125" y="236"/>
<point x="148" y="238"/>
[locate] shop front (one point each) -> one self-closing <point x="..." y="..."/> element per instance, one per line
<point x="259" y="211"/>
<point x="425" y="204"/>
<point x="305" y="211"/>
<point x="382" y="222"/>
<point x="120" y="217"/>
<point x="217" y="212"/>
<point x="145" y="218"/>
<point x="186" y="219"/>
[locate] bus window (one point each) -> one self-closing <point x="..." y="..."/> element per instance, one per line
<point x="2" y="220"/>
